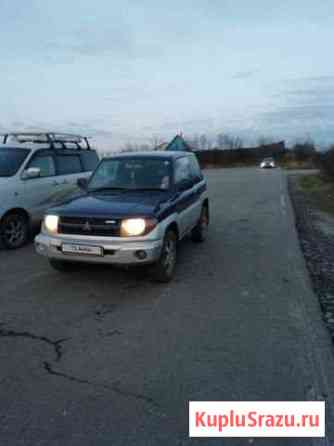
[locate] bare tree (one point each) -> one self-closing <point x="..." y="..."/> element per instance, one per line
<point x="194" y="142"/>
<point x="264" y="140"/>
<point x="220" y="140"/>
<point x="145" y="147"/>
<point x="229" y="142"/>
<point x="203" y="142"/>
<point x="237" y="143"/>
<point x="128" y="147"/>
<point x="156" y="140"/>
<point x="209" y="143"/>
<point x="304" y="149"/>
<point x="135" y="147"/>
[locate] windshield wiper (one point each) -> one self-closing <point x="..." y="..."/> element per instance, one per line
<point x="129" y="189"/>
<point x="149" y="189"/>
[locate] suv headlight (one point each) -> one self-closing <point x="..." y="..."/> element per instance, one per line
<point x="132" y="227"/>
<point x="50" y="223"/>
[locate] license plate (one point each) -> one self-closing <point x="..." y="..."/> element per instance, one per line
<point x="82" y="249"/>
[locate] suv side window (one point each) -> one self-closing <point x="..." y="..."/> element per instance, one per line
<point x="68" y="164"/>
<point x="182" y="170"/>
<point x="89" y="160"/>
<point x="195" y="169"/>
<point x="45" y="162"/>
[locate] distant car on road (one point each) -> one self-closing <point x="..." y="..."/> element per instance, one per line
<point x="38" y="170"/>
<point x="268" y="163"/>
<point x="132" y="211"/>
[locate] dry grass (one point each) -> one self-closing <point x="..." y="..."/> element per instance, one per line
<point x="296" y="165"/>
<point x="320" y="190"/>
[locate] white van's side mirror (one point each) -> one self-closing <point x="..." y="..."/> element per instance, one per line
<point x="31" y="172"/>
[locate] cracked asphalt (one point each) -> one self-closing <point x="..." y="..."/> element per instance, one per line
<point x="103" y="356"/>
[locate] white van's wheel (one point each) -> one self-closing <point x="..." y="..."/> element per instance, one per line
<point x="14" y="230"/>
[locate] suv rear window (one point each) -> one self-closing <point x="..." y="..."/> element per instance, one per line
<point x="89" y="160"/>
<point x="68" y="164"/>
<point x="182" y="170"/>
<point x="195" y="169"/>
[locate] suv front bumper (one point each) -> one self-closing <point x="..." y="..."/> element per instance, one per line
<point x="114" y="252"/>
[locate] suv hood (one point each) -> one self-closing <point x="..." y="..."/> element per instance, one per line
<point x="116" y="205"/>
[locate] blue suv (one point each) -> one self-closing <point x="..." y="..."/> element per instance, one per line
<point x="133" y="210"/>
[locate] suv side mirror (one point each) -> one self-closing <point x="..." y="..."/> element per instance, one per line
<point x="31" y="172"/>
<point x="82" y="183"/>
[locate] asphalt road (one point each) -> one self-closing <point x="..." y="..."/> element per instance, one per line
<point x="106" y="357"/>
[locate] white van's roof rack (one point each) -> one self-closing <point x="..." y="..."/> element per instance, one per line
<point x="54" y="139"/>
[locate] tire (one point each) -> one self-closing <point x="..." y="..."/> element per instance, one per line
<point x="200" y="231"/>
<point x="163" y="270"/>
<point x="14" y="230"/>
<point x="60" y="266"/>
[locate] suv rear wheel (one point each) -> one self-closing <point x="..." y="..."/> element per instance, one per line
<point x="14" y="230"/>
<point x="200" y="231"/>
<point x="163" y="270"/>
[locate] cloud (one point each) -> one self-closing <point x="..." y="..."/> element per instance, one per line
<point x="244" y="74"/>
<point x="303" y="114"/>
<point x="87" y="41"/>
<point x="309" y="97"/>
<point x="319" y="79"/>
<point x="304" y="106"/>
<point x="187" y="125"/>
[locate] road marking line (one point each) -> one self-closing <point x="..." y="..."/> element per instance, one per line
<point x="283" y="204"/>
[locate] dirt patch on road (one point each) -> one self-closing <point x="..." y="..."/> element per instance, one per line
<point x="312" y="198"/>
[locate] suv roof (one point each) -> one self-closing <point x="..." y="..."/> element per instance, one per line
<point x="55" y="140"/>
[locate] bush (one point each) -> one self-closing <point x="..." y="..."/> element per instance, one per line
<point x="303" y="151"/>
<point x="327" y="162"/>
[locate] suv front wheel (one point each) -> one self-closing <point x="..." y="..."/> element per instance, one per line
<point x="14" y="230"/>
<point x="163" y="270"/>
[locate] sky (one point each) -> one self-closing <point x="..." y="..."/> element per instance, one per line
<point x="138" y="71"/>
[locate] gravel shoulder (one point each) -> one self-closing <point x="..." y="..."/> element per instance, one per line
<point x="316" y="234"/>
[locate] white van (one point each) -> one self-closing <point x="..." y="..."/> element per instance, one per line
<point x="38" y="170"/>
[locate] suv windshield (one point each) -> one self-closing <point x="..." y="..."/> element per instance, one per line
<point x="11" y="160"/>
<point x="132" y="174"/>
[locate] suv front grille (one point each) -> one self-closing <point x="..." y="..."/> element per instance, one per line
<point x="89" y="226"/>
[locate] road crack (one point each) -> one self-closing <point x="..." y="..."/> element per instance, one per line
<point x="51" y="371"/>
<point x="56" y="345"/>
<point x="112" y="387"/>
<point x="103" y="310"/>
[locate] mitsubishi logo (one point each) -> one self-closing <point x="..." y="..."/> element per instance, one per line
<point x="87" y="227"/>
